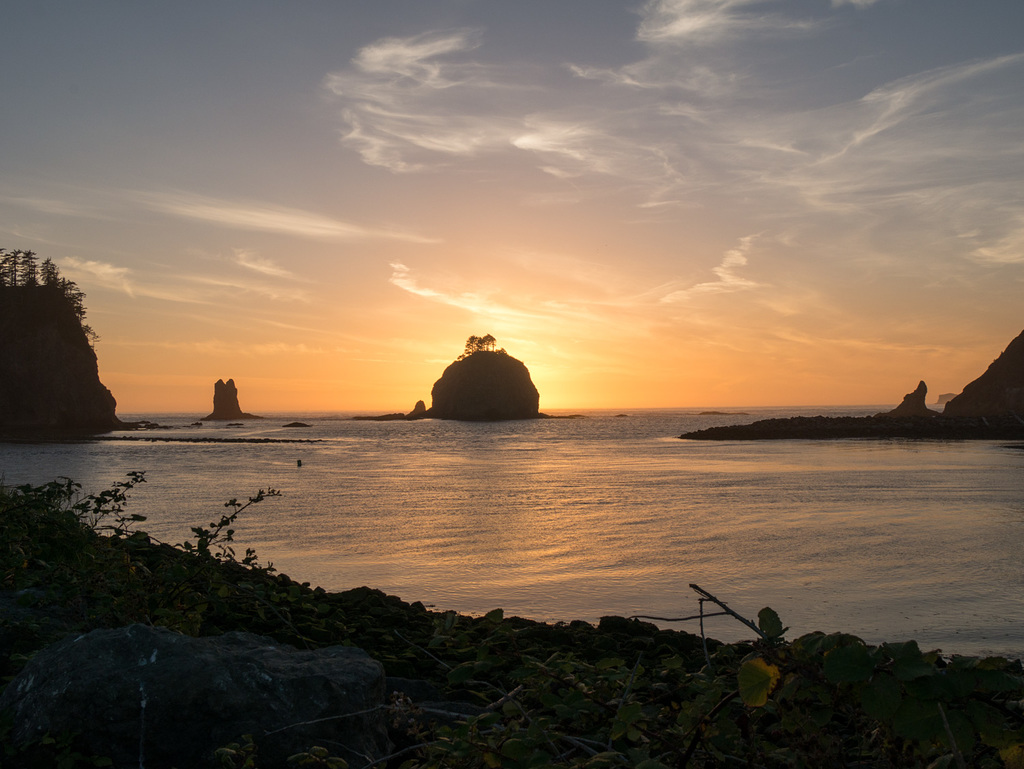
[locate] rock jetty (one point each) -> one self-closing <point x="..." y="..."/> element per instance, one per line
<point x="829" y="428"/>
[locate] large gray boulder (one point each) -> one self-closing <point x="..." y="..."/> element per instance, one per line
<point x="997" y="392"/>
<point x="150" y="697"/>
<point x="485" y="386"/>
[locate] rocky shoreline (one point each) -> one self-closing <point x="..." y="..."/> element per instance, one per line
<point x="1010" y="427"/>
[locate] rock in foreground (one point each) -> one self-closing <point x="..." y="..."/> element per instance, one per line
<point x="146" y="696"/>
<point x="485" y="386"/>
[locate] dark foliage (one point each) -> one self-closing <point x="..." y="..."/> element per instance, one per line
<point x="40" y="289"/>
<point x="623" y="694"/>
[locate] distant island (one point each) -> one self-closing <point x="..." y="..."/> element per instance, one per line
<point x="991" y="407"/>
<point x="483" y="384"/>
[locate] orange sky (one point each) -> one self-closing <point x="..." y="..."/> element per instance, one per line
<point x="668" y="203"/>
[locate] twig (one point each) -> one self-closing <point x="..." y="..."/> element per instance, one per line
<point x="506" y="698"/>
<point x="366" y="712"/>
<point x="629" y="688"/>
<point x="697" y="729"/>
<point x="703" y="636"/>
<point x="439" y="661"/>
<point x="707" y="596"/>
<point x="952" y="741"/>
<point x="578" y="743"/>
<point x="679" y="619"/>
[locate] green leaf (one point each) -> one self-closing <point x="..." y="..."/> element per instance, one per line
<point x="631" y="713"/>
<point x="881" y="697"/>
<point x="1013" y="757"/>
<point x="962" y="729"/>
<point x="516" y="749"/>
<point x="769" y="623"/>
<point x="756" y="680"/>
<point x="495" y="615"/>
<point x="909" y="669"/>
<point x="918" y="720"/>
<point x="461" y="674"/>
<point x="848" y="664"/>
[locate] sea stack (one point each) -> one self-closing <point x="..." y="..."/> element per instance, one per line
<point x="49" y="377"/>
<point x="225" y="403"/>
<point x="997" y="392"/>
<point x="485" y="386"/>
<point x="913" y="405"/>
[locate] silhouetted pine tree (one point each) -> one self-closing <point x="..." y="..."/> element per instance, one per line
<point x="26" y="283"/>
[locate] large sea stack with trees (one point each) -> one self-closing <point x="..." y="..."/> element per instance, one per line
<point x="49" y="377"/>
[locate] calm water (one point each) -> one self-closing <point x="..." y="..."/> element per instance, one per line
<point x="576" y="519"/>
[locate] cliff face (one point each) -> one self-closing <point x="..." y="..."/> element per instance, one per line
<point x="49" y="377"/>
<point x="999" y="391"/>
<point x="485" y="386"/>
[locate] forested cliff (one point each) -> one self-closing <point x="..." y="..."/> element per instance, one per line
<point x="49" y="378"/>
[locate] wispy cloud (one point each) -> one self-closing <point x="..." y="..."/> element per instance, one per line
<point x="727" y="272"/>
<point x="236" y="287"/>
<point x="102" y="273"/>
<point x="268" y="218"/>
<point x="705" y="21"/>
<point x="223" y="349"/>
<point x="407" y="99"/>
<point x="688" y="125"/>
<point x="260" y="264"/>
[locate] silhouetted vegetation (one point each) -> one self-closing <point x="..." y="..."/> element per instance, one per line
<point x="485" y="343"/>
<point x="25" y="283"/>
<point x="623" y="694"/>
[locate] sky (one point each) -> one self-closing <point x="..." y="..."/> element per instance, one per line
<point x="675" y="203"/>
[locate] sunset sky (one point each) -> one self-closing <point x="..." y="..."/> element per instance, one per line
<point x="670" y="203"/>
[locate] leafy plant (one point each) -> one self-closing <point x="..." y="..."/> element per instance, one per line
<point x="521" y="693"/>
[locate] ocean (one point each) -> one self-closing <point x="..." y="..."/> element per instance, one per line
<point x="607" y="514"/>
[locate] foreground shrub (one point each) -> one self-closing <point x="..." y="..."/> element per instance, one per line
<point x="520" y="693"/>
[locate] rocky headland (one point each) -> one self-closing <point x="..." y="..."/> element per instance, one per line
<point x="49" y="376"/>
<point x="997" y="392"/>
<point x="989" y="408"/>
<point x="225" y="403"/>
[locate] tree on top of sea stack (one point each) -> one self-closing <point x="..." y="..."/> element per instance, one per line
<point x="484" y="384"/>
<point x="485" y="343"/>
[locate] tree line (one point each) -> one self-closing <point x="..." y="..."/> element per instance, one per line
<point x="22" y="271"/>
<point x="485" y="343"/>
